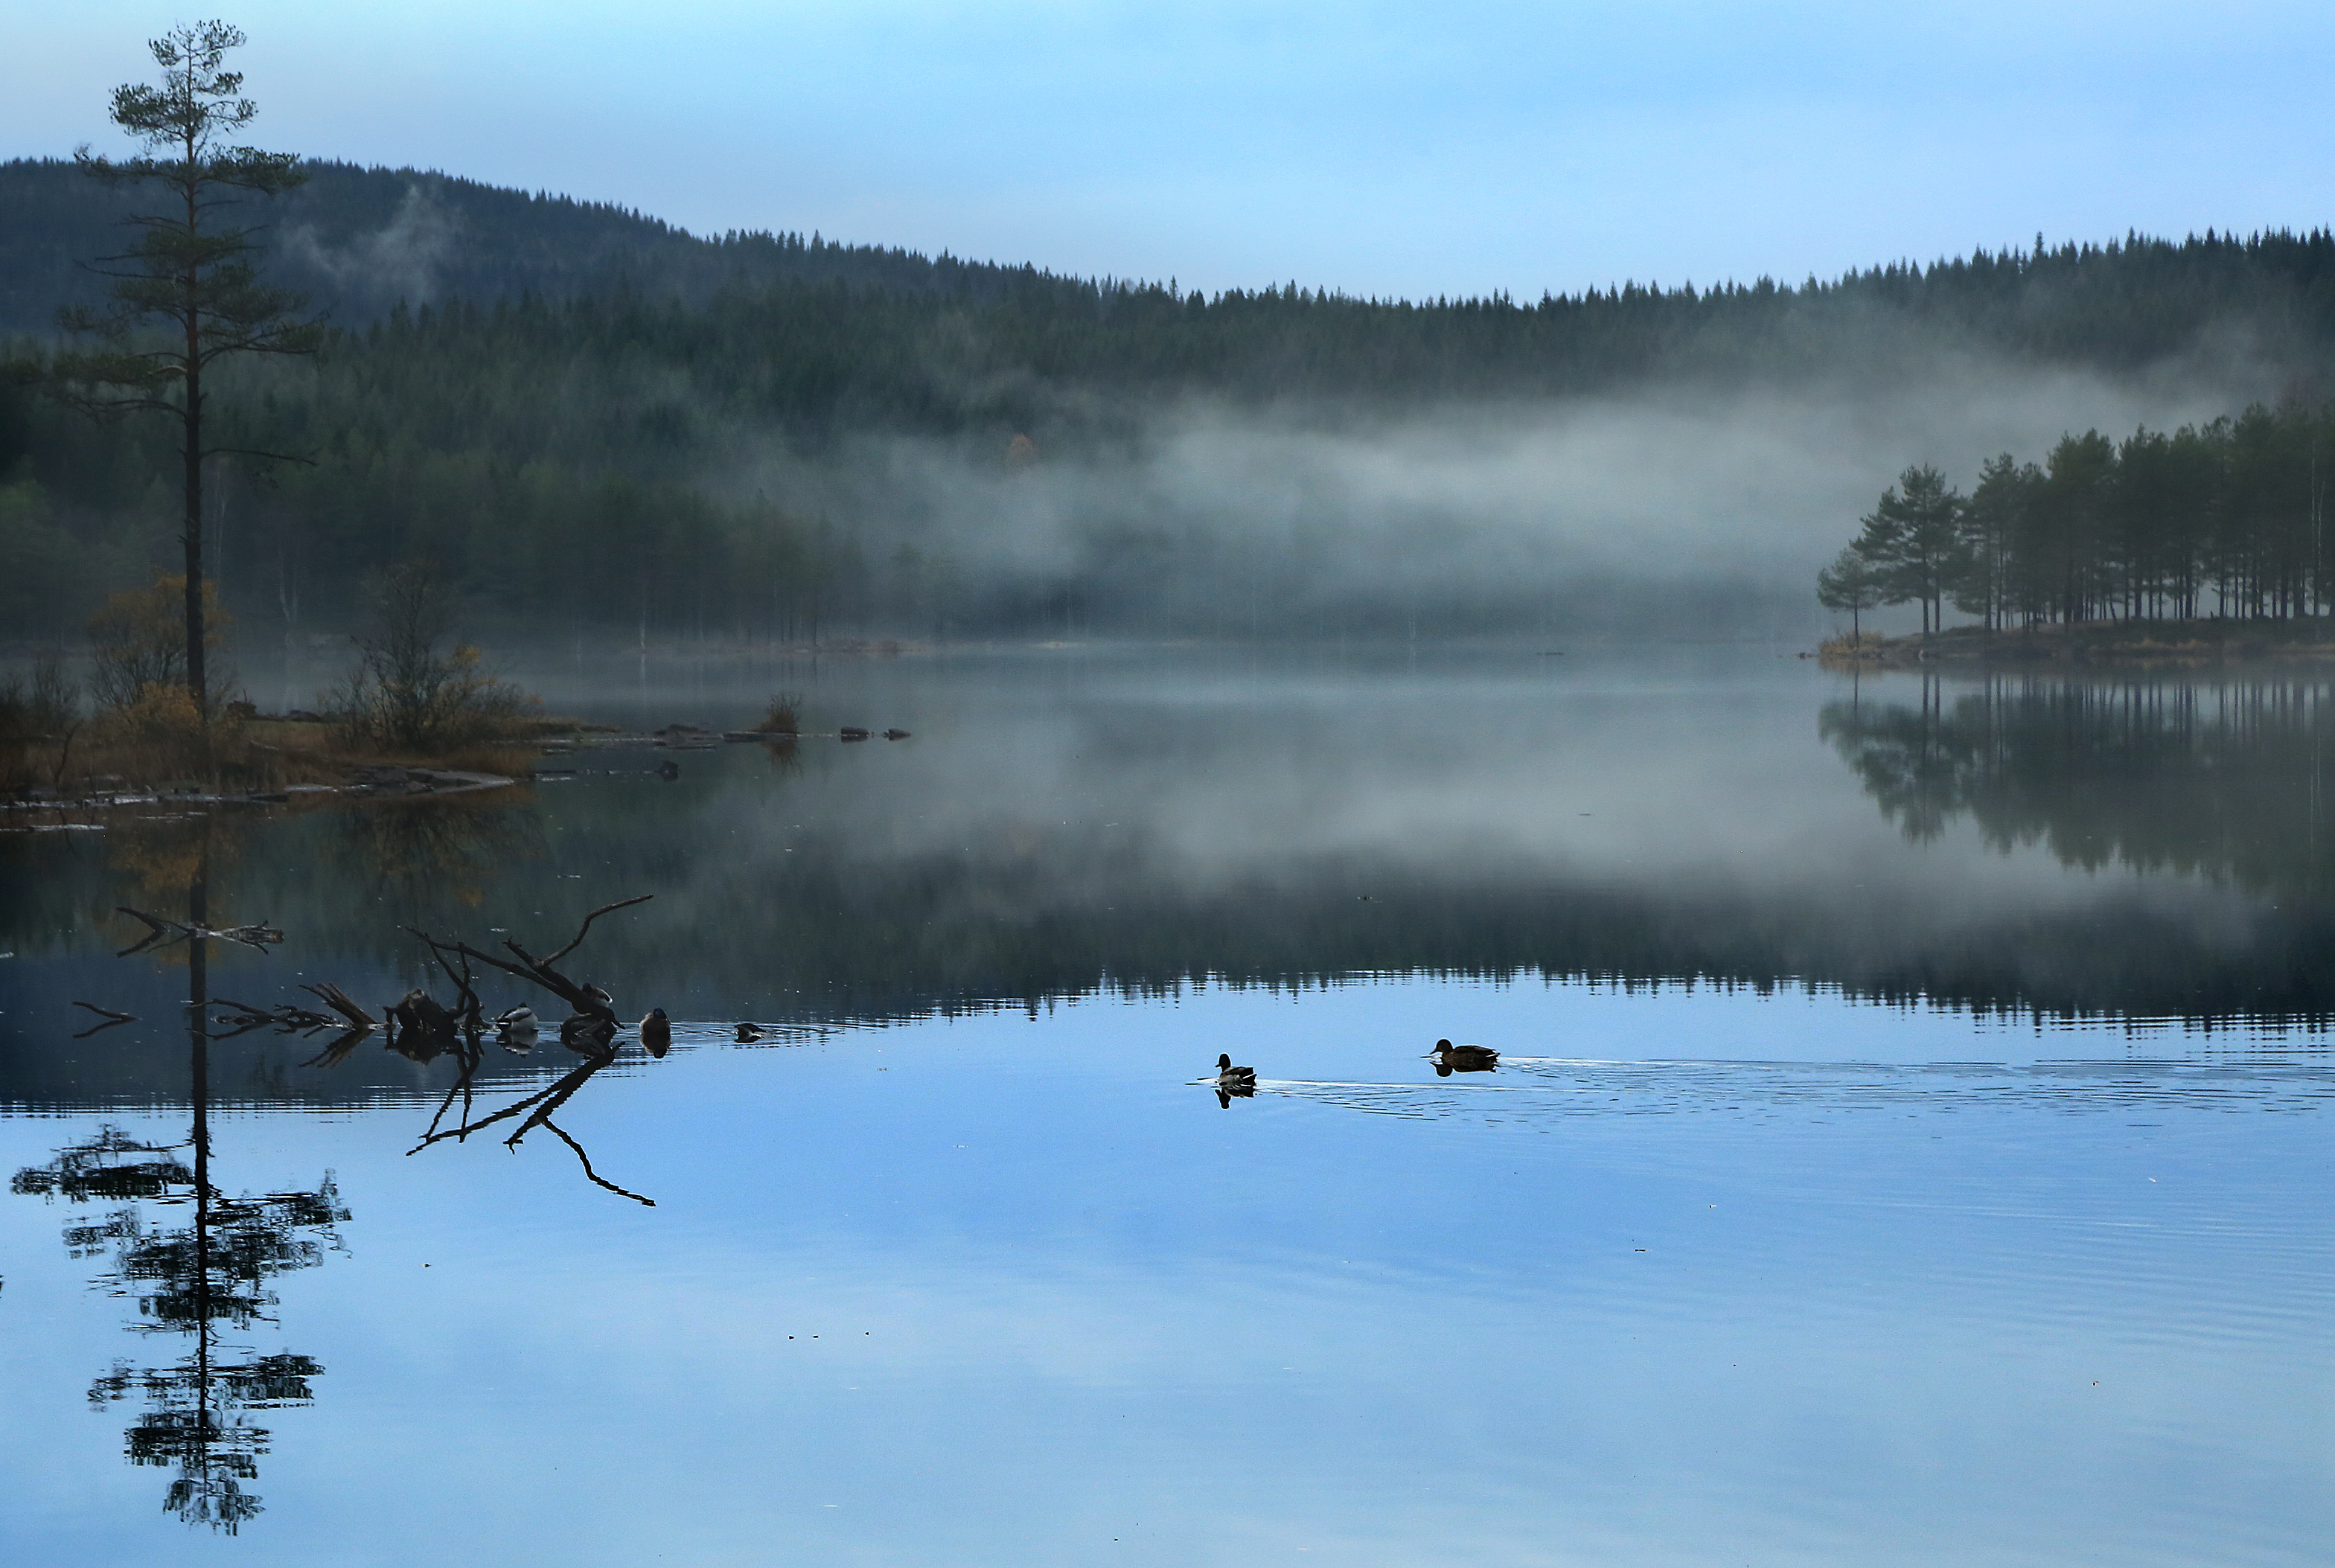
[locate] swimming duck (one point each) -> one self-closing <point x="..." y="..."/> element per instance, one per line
<point x="1234" y="1082"/>
<point x="1450" y="1058"/>
<point x="748" y="1032"/>
<point x="656" y="1032"/>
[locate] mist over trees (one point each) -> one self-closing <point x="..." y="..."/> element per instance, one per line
<point x="599" y="426"/>
<point x="2226" y="518"/>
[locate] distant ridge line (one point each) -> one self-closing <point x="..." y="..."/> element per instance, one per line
<point x="363" y="240"/>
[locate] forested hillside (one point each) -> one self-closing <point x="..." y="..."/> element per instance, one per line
<point x="361" y="241"/>
<point x="595" y="420"/>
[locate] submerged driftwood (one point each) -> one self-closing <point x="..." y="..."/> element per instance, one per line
<point x="258" y="937"/>
<point x="591" y="1032"/>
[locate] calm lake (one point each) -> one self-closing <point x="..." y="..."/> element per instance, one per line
<point x="1909" y="1142"/>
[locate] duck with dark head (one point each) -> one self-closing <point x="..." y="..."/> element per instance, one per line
<point x="1233" y="1082"/>
<point x="1450" y="1058"/>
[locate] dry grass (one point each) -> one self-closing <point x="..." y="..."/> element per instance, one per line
<point x="784" y="716"/>
<point x="115" y="752"/>
<point x="321" y="752"/>
<point x="1865" y="645"/>
<point x="244" y="753"/>
<point x="506" y="762"/>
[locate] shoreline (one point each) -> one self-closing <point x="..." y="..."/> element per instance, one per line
<point x="2125" y="643"/>
<point x="365" y="778"/>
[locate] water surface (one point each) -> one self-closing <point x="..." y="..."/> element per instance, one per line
<point x="1906" y="1147"/>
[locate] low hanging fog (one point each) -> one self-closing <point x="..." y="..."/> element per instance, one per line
<point x="1664" y="511"/>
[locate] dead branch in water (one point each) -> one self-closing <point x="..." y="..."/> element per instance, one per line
<point x="467" y="999"/>
<point x="539" y="971"/>
<point x="288" y="1018"/>
<point x="418" y="1012"/>
<point x="557" y="1094"/>
<point x="470" y="1053"/>
<point x="257" y="936"/>
<point x="338" y="1050"/>
<point x="594" y="1175"/>
<point x="594" y="1021"/>
<point x="585" y="928"/>
<point x="340" y="1001"/>
<point x="155" y="930"/>
<point x="108" y="1019"/>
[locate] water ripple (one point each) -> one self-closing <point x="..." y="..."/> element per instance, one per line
<point x="1536" y="1089"/>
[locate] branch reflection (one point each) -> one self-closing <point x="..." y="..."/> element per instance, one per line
<point x="423" y="1029"/>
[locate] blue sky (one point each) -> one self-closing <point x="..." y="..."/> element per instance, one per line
<point x="1410" y="148"/>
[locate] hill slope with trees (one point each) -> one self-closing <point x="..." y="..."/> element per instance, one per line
<point x="593" y="419"/>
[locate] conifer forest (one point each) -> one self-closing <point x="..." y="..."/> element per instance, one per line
<point x="787" y="438"/>
<point x="2228" y="519"/>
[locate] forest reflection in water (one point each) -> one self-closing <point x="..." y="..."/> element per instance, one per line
<point x="2223" y="779"/>
<point x="2139" y="847"/>
<point x="2190" y="782"/>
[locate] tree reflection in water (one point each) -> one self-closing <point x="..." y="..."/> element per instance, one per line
<point x="2220" y="778"/>
<point x="423" y="859"/>
<point x="204" y="1280"/>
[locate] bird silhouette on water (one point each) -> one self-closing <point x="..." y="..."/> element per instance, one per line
<point x="656" y="1032"/>
<point x="1450" y="1058"/>
<point x="748" y="1032"/>
<point x="1233" y="1082"/>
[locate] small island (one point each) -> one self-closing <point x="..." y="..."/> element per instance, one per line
<point x="2206" y="545"/>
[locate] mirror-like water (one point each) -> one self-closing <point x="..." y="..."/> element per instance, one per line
<point x="1906" y="1141"/>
